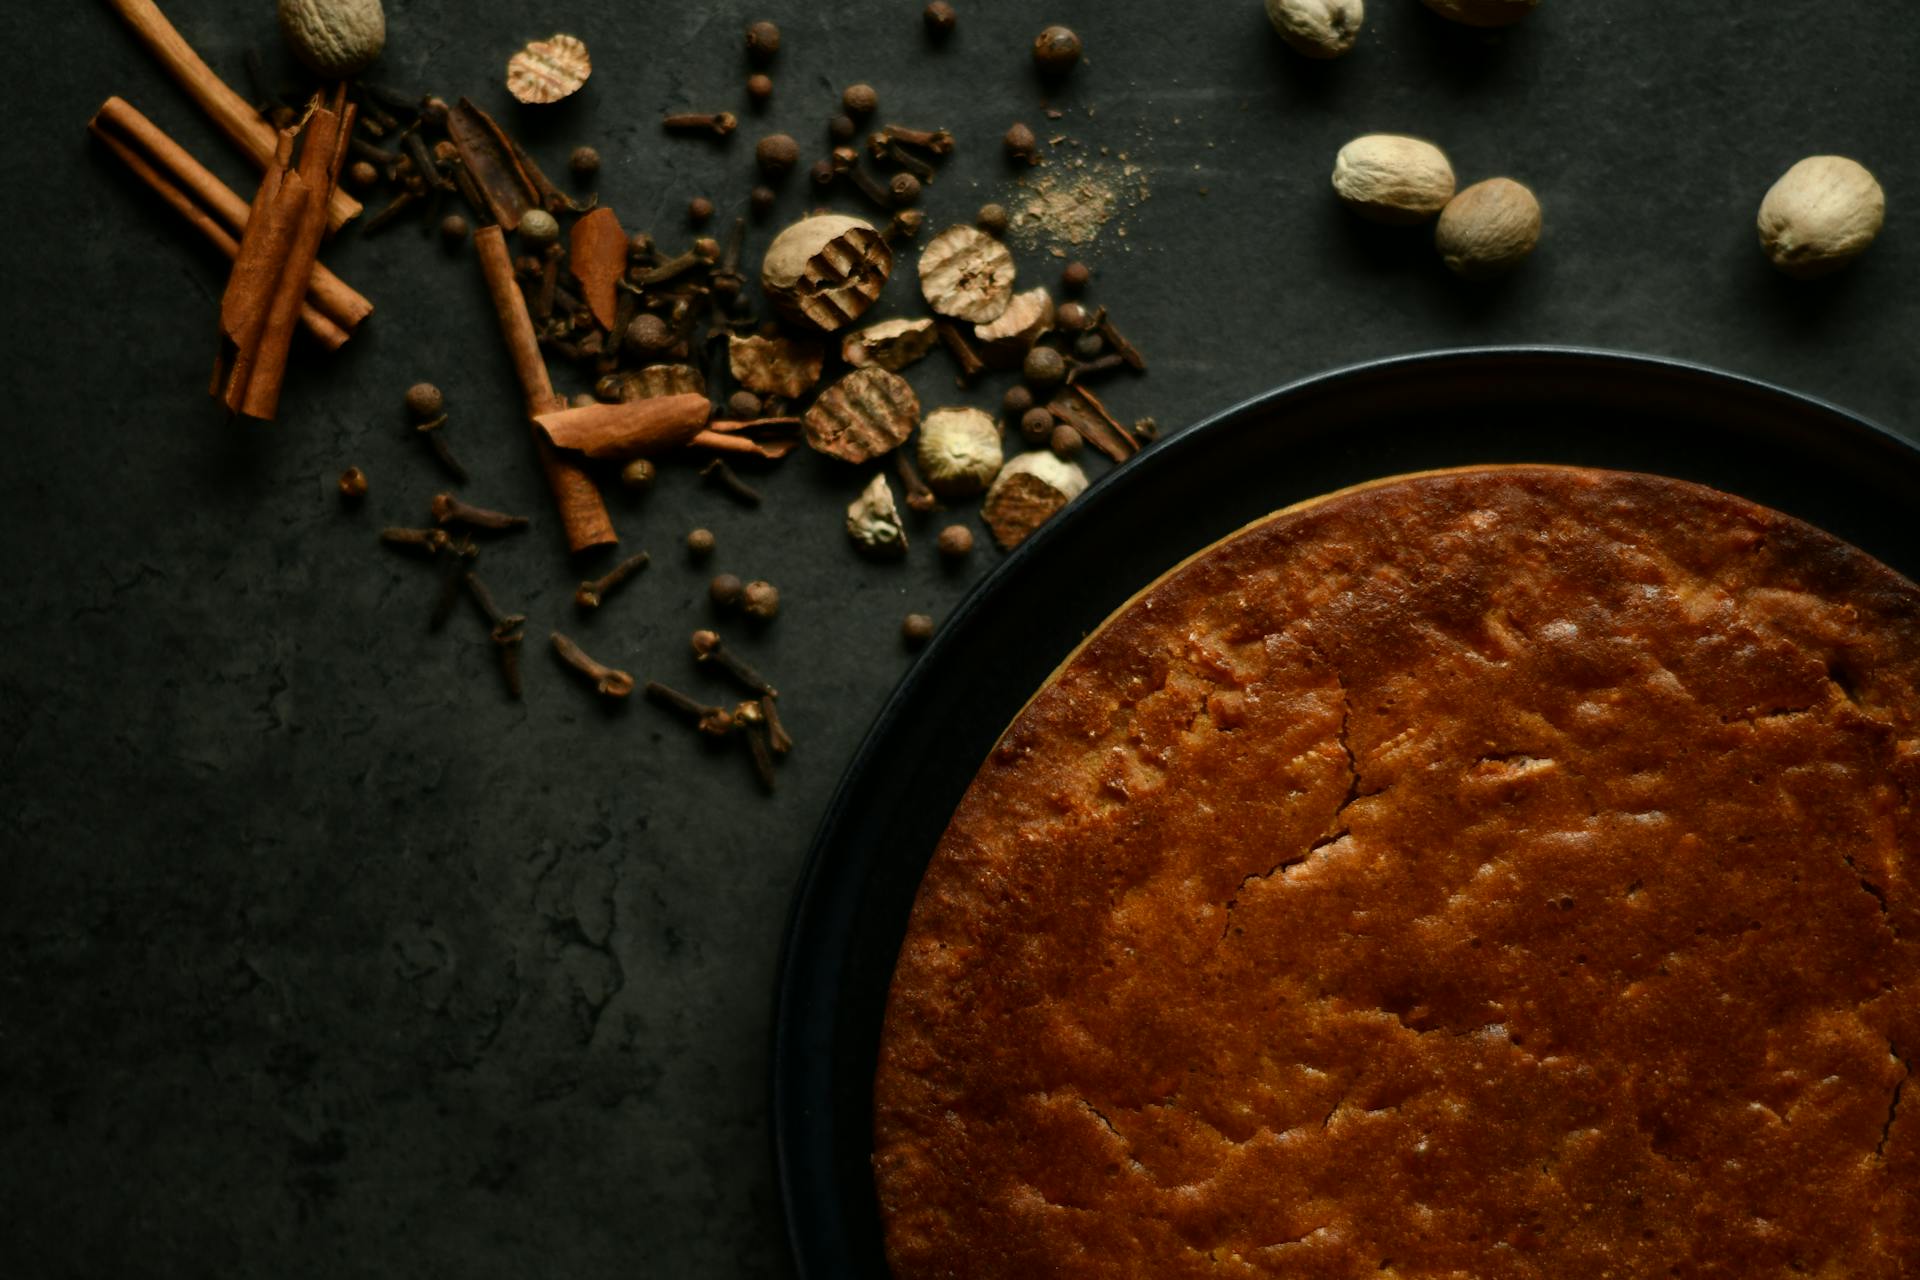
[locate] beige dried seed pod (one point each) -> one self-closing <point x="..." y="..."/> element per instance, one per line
<point x="873" y="520"/>
<point x="336" y="38"/>
<point x="1482" y="13"/>
<point x="826" y="270"/>
<point x="1029" y="491"/>
<point x="959" y="451"/>
<point x="1391" y="178"/>
<point x="549" y="70"/>
<point x="775" y="366"/>
<point x="868" y="413"/>
<point x="1005" y="341"/>
<point x="1821" y="215"/>
<point x="967" y="274"/>
<point x="891" y="344"/>
<point x="1317" y="28"/>
<point x="1488" y="229"/>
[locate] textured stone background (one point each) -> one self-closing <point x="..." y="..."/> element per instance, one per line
<point x="319" y="957"/>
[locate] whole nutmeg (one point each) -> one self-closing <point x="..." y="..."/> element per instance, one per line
<point x="638" y="475"/>
<point x="959" y="451"/>
<point x="538" y="229"/>
<point x="1391" y="178"/>
<point x="956" y="542"/>
<point x="336" y="38"/>
<point x="1317" y="28"/>
<point x="1487" y="230"/>
<point x="1482" y="13"/>
<point x="1821" y="215"/>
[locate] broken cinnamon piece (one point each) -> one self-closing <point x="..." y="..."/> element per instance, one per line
<point x="582" y="510"/>
<point x="599" y="260"/>
<point x="725" y="442"/>
<point x="1080" y="409"/>
<point x="628" y="429"/>
<point x="489" y="160"/>
<point x="233" y="114"/>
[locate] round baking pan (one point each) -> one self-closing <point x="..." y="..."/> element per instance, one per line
<point x="1447" y="409"/>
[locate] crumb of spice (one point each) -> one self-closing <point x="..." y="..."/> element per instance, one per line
<point x="916" y="629"/>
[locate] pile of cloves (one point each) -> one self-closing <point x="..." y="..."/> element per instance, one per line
<point x="636" y="320"/>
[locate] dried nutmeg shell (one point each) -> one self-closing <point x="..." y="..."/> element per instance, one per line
<point x="1317" y="28"/>
<point x="959" y="451"/>
<point x="1005" y="341"/>
<point x="826" y="270"/>
<point x="967" y="274"/>
<point x="891" y="344"/>
<point x="868" y="413"/>
<point x="336" y="38"/>
<point x="1821" y="215"/>
<point x="549" y="70"/>
<point x="1028" y="492"/>
<point x="873" y="520"/>
<point x="1482" y="13"/>
<point x="776" y="366"/>
<point x="1488" y="229"/>
<point x="1391" y="178"/>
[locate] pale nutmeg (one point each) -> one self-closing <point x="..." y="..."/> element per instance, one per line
<point x="1488" y="229"/>
<point x="335" y="38"/>
<point x="1821" y="215"/>
<point x="1391" y="178"/>
<point x="1317" y="28"/>
<point x="959" y="451"/>
<point x="1483" y="13"/>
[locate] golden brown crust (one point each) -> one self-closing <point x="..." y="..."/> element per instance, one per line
<point x="1497" y="873"/>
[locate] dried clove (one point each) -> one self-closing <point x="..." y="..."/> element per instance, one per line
<point x="1127" y="350"/>
<point x="971" y="365"/>
<point x="753" y="723"/>
<point x="777" y="736"/>
<point x="608" y="682"/>
<point x="919" y="497"/>
<point x="1099" y="367"/>
<point x="589" y="595"/>
<point x="708" y="648"/>
<point x="937" y="141"/>
<point x="718" y="123"/>
<point x="714" y="722"/>
<point x="427" y="542"/>
<point x="448" y="509"/>
<point x="721" y="476"/>
<point x="431" y="433"/>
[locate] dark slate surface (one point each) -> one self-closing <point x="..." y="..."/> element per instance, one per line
<point x="321" y="957"/>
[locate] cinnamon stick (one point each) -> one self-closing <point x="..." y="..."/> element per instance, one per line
<point x="234" y="116"/>
<point x="213" y="209"/>
<point x="723" y="442"/>
<point x="1080" y="409"/>
<point x="582" y="511"/>
<point x="274" y="266"/>
<point x="630" y="429"/>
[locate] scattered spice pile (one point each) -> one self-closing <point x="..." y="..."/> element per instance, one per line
<point x="683" y="355"/>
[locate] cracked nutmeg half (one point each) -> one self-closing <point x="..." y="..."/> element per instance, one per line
<point x="866" y="414"/>
<point x="826" y="270"/>
<point x="549" y="70"/>
<point x="967" y="274"/>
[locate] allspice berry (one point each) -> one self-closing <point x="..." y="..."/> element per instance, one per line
<point x="1044" y="368"/>
<point x="699" y="210"/>
<point x="1021" y="144"/>
<point x="1036" y="427"/>
<point x="916" y="629"/>
<point x="649" y="334"/>
<point x="584" y="162"/>
<point x="361" y="175"/>
<point x="904" y="189"/>
<point x="1317" y="28"/>
<point x="760" y="601"/>
<point x="424" y="402"/>
<point x="1074" y="277"/>
<point x="1821" y="215"/>
<point x="860" y="100"/>
<point x="1482" y="13"/>
<point x="454" y="229"/>
<point x="776" y="154"/>
<point x="700" y="544"/>
<point x="940" y="19"/>
<point x="761" y="200"/>
<point x="759" y="86"/>
<point x="744" y="406"/>
<point x="1488" y="229"/>
<point x="1065" y="442"/>
<point x="1018" y="400"/>
<point x="1056" y="50"/>
<point x="763" y="41"/>
<point x="1391" y="178"/>
<point x="538" y="229"/>
<point x="725" y="590"/>
<point x="639" y="475"/>
<point x="956" y="542"/>
<point x="993" y="219"/>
